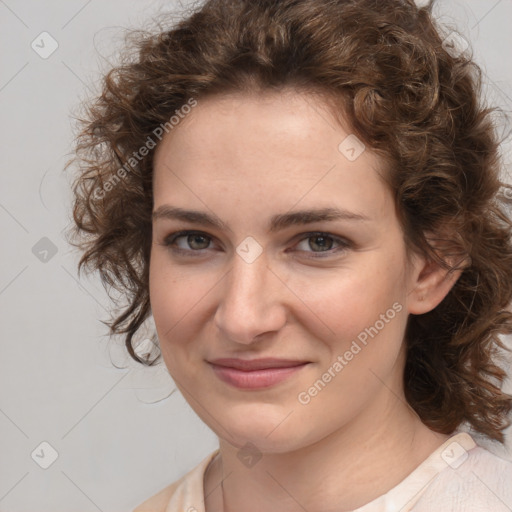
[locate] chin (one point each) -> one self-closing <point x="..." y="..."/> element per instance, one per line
<point x="267" y="432"/>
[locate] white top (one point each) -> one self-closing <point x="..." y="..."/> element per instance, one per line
<point x="459" y="476"/>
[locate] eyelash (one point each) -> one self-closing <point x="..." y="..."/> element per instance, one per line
<point x="343" y="244"/>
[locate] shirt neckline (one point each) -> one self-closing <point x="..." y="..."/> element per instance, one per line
<point x="403" y="496"/>
<point x="452" y="453"/>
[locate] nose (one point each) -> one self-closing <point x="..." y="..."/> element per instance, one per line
<point x="252" y="301"/>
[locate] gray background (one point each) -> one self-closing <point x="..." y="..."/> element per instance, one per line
<point x="117" y="437"/>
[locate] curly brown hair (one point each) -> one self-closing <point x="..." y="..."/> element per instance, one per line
<point x="383" y="67"/>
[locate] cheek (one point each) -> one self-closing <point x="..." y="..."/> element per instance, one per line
<point x="169" y="297"/>
<point x="351" y="299"/>
<point x="366" y="317"/>
<point x="178" y="302"/>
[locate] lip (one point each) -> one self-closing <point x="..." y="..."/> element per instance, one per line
<point x="255" y="373"/>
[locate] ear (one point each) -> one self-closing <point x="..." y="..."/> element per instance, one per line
<point x="431" y="282"/>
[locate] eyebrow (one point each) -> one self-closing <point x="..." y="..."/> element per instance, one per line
<point x="277" y="222"/>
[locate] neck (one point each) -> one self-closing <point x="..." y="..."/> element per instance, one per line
<point x="341" y="472"/>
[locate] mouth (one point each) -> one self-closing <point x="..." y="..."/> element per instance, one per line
<point x="256" y="373"/>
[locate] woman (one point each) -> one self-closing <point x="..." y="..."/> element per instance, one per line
<point x="304" y="195"/>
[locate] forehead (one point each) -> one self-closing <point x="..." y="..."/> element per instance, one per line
<point x="284" y="146"/>
<point x="243" y="126"/>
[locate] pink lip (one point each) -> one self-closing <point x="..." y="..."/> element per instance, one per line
<point x="256" y="373"/>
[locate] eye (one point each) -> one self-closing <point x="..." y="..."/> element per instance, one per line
<point x="188" y="241"/>
<point x="322" y="243"/>
<point x="317" y="244"/>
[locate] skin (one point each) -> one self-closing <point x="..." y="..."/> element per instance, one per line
<point x="244" y="158"/>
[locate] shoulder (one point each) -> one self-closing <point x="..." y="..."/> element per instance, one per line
<point x="481" y="482"/>
<point x="187" y="493"/>
<point x="493" y="471"/>
<point x="159" y="501"/>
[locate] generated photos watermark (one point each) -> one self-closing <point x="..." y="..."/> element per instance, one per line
<point x="305" y="397"/>
<point x="143" y="151"/>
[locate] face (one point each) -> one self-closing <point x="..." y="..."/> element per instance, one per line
<point x="273" y="241"/>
